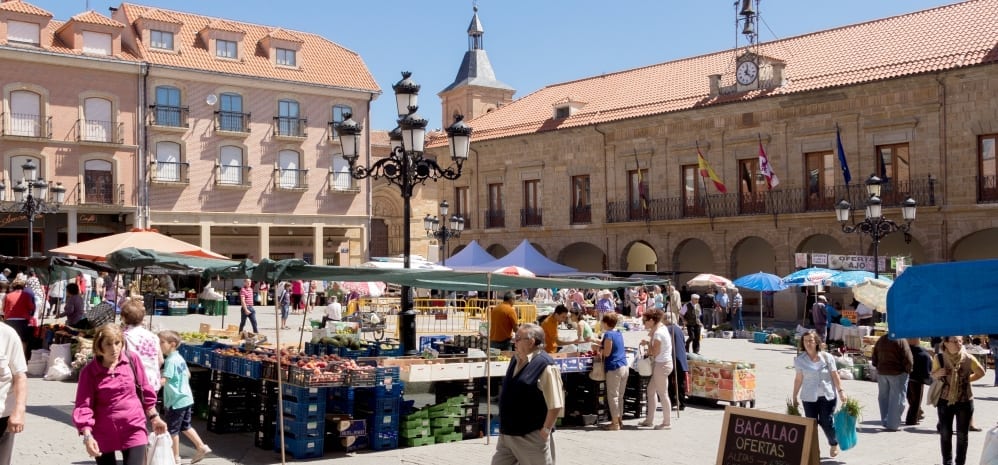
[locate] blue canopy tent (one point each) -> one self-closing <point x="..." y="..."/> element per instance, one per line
<point x="526" y="256"/>
<point x="944" y="299"/>
<point x="472" y="255"/>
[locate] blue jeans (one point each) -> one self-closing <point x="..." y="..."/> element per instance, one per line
<point x="963" y="412"/>
<point x="739" y="323"/>
<point x="893" y="391"/>
<point x="822" y="410"/>
<point x="251" y="317"/>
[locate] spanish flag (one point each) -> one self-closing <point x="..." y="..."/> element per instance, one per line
<point x="707" y="172"/>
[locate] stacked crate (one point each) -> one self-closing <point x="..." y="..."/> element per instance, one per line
<point x="379" y="405"/>
<point x="414" y="429"/>
<point x="201" y="388"/>
<point x="585" y="400"/>
<point x="304" y="421"/>
<point x="469" y="395"/>
<point x="233" y="404"/>
<point x="266" y="425"/>
<point x="445" y="420"/>
<point x="343" y="433"/>
<point x="635" y="399"/>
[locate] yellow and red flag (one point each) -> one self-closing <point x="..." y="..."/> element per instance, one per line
<point x="707" y="172"/>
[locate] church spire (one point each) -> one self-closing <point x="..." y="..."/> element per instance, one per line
<point x="475" y="90"/>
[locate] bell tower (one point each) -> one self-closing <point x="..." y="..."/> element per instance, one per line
<point x="475" y="90"/>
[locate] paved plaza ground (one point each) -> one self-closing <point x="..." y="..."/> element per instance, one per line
<point x="49" y="437"/>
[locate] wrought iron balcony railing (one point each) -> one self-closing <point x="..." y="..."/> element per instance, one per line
<point x="285" y="126"/>
<point x="232" y="121"/>
<point x="531" y="217"/>
<point x="495" y="218"/>
<point x="25" y="125"/>
<point x="291" y="180"/>
<point x="90" y="130"/>
<point x="170" y="172"/>
<point x="232" y="175"/>
<point x="169" y="116"/>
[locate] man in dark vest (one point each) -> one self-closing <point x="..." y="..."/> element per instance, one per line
<point x="531" y="401"/>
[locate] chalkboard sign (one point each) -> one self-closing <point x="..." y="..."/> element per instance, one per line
<point x="754" y="437"/>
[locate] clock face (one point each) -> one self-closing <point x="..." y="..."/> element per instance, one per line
<point x="746" y="73"/>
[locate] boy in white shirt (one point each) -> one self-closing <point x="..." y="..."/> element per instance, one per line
<point x="334" y="311"/>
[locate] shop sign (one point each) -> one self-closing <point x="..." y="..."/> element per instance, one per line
<point x="89" y="218"/>
<point x="12" y="218"/>
<point x="755" y="437"/>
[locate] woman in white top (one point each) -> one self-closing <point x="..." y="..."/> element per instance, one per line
<point x="584" y="339"/>
<point x="817" y="383"/>
<point x="659" y="346"/>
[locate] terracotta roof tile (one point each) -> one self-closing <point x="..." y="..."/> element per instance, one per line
<point x="947" y="37"/>
<point x="17" y="6"/>
<point x="379" y="138"/>
<point x="320" y="61"/>
<point x="223" y="25"/>
<point x="283" y="34"/>
<point x="156" y="14"/>
<point x="92" y="17"/>
<point x="50" y="41"/>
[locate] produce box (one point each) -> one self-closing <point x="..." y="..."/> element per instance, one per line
<point x="729" y="381"/>
<point x="419" y="441"/>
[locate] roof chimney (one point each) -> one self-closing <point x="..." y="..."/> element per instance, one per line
<point x="715" y="84"/>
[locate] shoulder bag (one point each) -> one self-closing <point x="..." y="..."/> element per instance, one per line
<point x="599" y="369"/>
<point x="936" y="390"/>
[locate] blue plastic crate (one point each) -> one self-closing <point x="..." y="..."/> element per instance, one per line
<point x="252" y="369"/>
<point x="195" y="355"/>
<point x="304" y="395"/>
<point x="426" y="342"/>
<point x="304" y="411"/>
<point x="340" y="400"/>
<point x="384" y="441"/>
<point x="759" y="337"/>
<point x="300" y="429"/>
<point x="383" y="423"/>
<point x="310" y="348"/>
<point x="346" y="352"/>
<point x="306" y="448"/>
<point x="388" y="349"/>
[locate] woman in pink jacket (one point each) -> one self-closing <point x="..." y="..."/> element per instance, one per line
<point x="113" y="401"/>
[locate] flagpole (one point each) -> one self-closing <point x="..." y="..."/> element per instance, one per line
<point x="703" y="182"/>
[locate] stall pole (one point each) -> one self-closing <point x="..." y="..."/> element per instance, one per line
<point x="762" y="307"/>
<point x="488" y="367"/>
<point x="280" y="384"/>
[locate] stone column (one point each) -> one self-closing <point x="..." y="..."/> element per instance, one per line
<point x="206" y="235"/>
<point x="317" y="244"/>
<point x="264" y="242"/>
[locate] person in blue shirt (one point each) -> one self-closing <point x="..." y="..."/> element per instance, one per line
<point x="178" y="401"/>
<point x="615" y="360"/>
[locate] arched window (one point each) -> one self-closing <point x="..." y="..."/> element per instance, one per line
<point x="98" y="125"/>
<point x="17" y="173"/>
<point x="98" y="181"/>
<point x="230" y="115"/>
<point x="168" y="162"/>
<point x="289" y="122"/>
<point x="231" y="168"/>
<point x="290" y="176"/>
<point x="341" y="174"/>
<point x="25" y="114"/>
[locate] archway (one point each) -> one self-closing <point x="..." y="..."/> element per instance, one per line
<point x="976" y="246"/>
<point x="640" y="257"/>
<point x="583" y="256"/>
<point x="539" y="249"/>
<point x="497" y="250"/>
<point x="691" y="257"/>
<point x="752" y="255"/>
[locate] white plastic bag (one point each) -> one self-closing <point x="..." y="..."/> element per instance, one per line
<point x="990" y="454"/>
<point x="58" y="370"/>
<point x="160" y="450"/>
<point x="845" y="373"/>
<point x="57" y="351"/>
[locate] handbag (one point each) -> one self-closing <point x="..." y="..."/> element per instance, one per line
<point x="599" y="370"/>
<point x="160" y="450"/>
<point x="644" y="366"/>
<point x="936" y="390"/>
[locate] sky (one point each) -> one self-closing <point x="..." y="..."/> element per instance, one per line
<point x="531" y="43"/>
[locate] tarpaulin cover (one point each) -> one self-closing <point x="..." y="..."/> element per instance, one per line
<point x="944" y="299"/>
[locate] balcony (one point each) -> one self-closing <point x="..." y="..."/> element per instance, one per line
<point x="290" y="180"/>
<point x="285" y="126"/>
<point x="987" y="189"/>
<point x="232" y="175"/>
<point x="783" y="201"/>
<point x="25" y="125"/>
<point x="581" y="215"/>
<point x="232" y="121"/>
<point x="343" y="182"/>
<point x="531" y="217"/>
<point x="169" y="172"/>
<point x="495" y="219"/>
<point x="167" y="116"/>
<point x="101" y="195"/>
<point x="107" y="132"/>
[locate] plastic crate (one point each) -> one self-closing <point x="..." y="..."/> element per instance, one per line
<point x="384" y="441"/>
<point x="383" y="373"/>
<point x="759" y="337"/>
<point x="416" y="442"/>
<point x="252" y="369"/>
<point x="308" y="378"/>
<point x="448" y="437"/>
<point x="361" y="378"/>
<point x="347" y="352"/>
<point x="270" y="370"/>
<point x="301" y="448"/>
<point x="304" y="394"/>
<point x="388" y="349"/>
<point x="304" y="411"/>
<point x="300" y="429"/>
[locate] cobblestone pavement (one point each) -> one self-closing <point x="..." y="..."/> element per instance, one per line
<point x="49" y="437"/>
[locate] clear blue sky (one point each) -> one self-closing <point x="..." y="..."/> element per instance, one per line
<point x="531" y="43"/>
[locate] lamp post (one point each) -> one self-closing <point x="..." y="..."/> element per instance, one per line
<point x="406" y="168"/>
<point x="31" y="197"/>
<point x="875" y="224"/>
<point x="438" y="229"/>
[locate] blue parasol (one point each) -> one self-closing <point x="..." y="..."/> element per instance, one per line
<point x="761" y="282"/>
<point x="852" y="278"/>
<point x="808" y="276"/>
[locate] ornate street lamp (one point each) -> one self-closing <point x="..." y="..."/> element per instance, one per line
<point x="406" y="168"/>
<point x="437" y="228"/>
<point x="32" y="196"/>
<point x="875" y="225"/>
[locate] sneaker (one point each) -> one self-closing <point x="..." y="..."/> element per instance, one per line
<point x="645" y="424"/>
<point x="834" y="451"/>
<point x="199" y="455"/>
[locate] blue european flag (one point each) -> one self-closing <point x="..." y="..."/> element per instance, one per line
<point x="842" y="157"/>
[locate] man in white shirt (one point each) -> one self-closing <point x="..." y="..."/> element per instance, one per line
<point x="334" y="311"/>
<point x="13" y="390"/>
<point x="864" y="315"/>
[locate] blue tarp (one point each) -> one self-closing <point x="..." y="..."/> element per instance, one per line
<point x="944" y="299"/>
<point x="472" y="255"/>
<point x="526" y="256"/>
